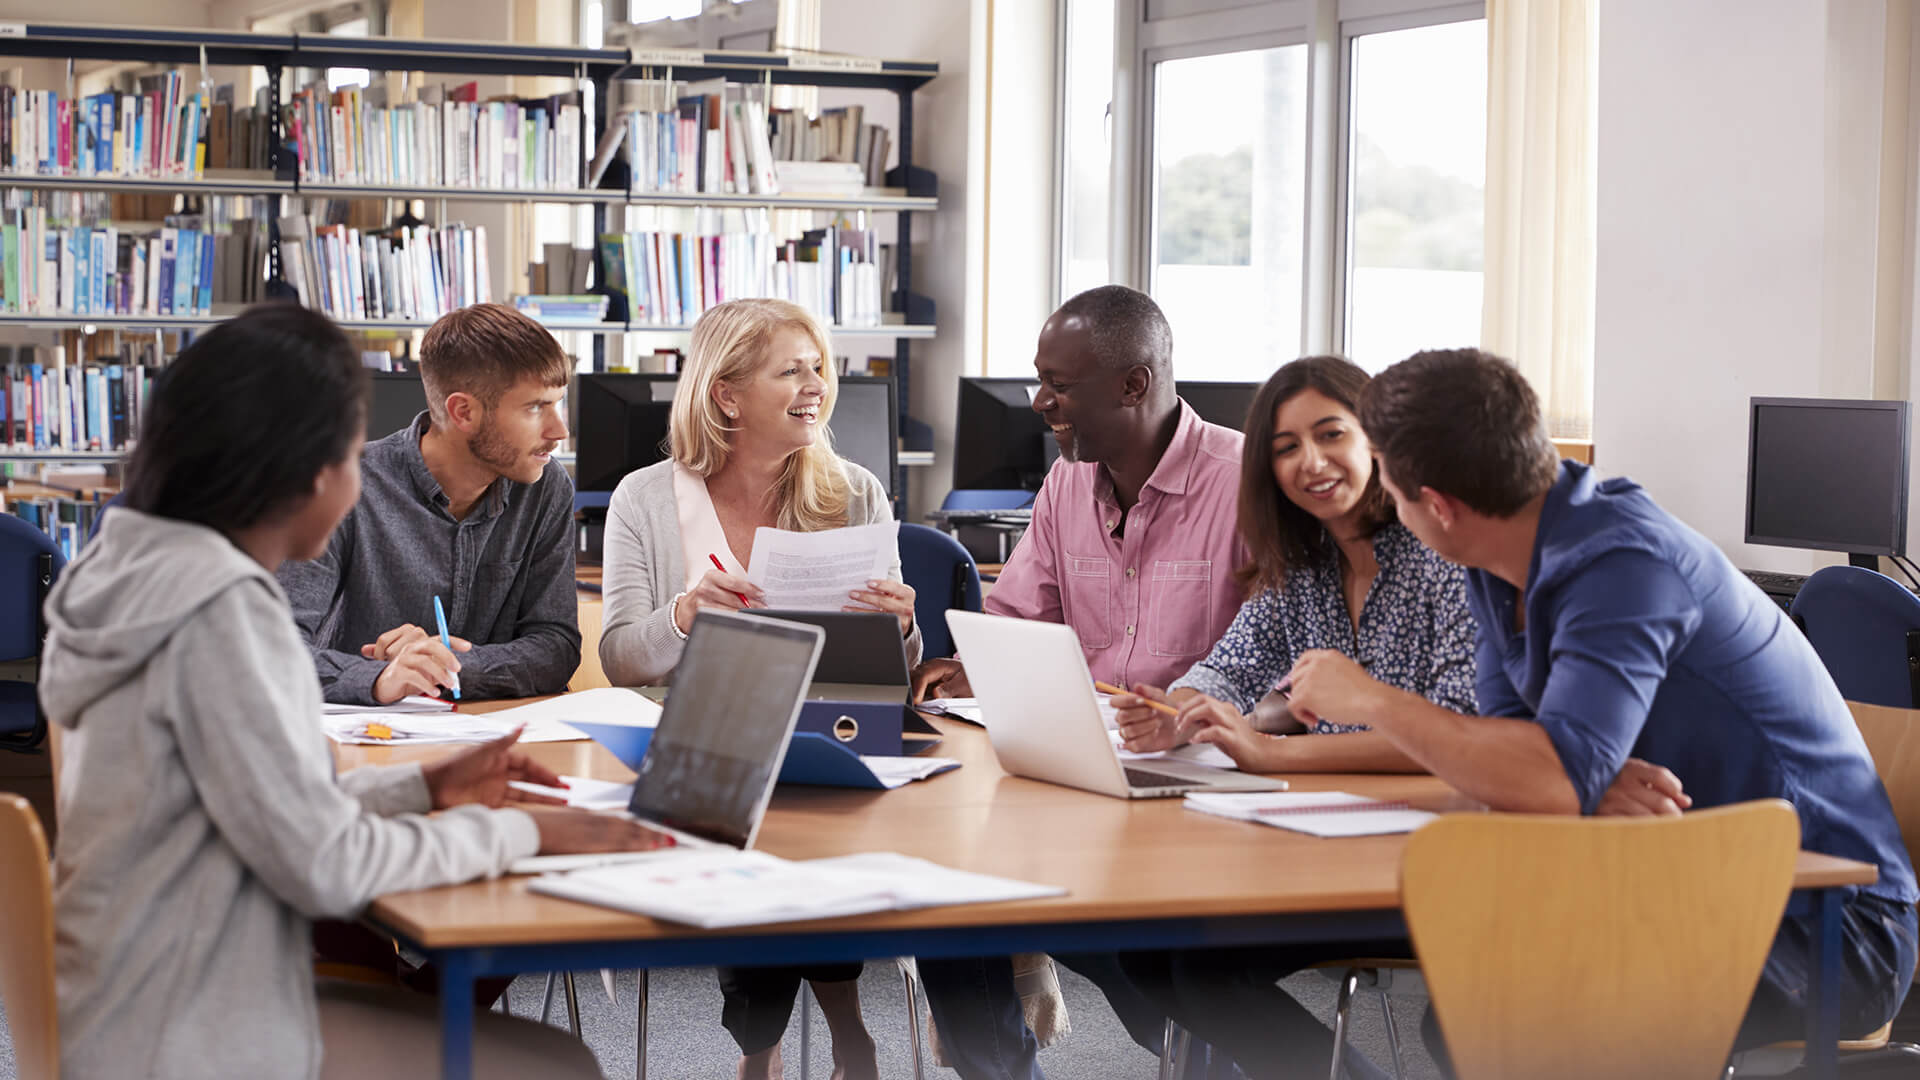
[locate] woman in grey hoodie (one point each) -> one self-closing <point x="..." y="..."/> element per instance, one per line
<point x="201" y="824"/>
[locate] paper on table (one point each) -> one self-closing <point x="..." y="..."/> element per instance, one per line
<point x="545" y="721"/>
<point x="583" y="792"/>
<point x="960" y="708"/>
<point x="1317" y="813"/>
<point x="1192" y="753"/>
<point x="899" y="771"/>
<point x="606" y="705"/>
<point x="415" y="704"/>
<point x="815" y="571"/>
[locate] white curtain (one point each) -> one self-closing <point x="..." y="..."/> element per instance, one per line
<point x="1538" y="307"/>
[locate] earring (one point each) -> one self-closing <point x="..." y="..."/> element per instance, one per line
<point x="731" y="415"/>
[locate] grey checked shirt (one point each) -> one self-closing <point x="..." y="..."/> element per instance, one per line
<point x="505" y="575"/>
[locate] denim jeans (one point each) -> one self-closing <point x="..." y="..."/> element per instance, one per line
<point x="1877" y="953"/>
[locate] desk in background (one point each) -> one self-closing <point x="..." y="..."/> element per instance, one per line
<point x="1139" y="874"/>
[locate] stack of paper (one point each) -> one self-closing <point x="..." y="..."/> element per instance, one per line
<point x="712" y="889"/>
<point x="899" y="771"/>
<point x="415" y="704"/>
<point x="411" y="721"/>
<point x="1317" y="813"/>
<point x="814" y="571"/>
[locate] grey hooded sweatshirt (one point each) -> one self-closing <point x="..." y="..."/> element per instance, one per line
<point x="201" y="825"/>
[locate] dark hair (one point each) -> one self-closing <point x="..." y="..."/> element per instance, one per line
<point x="1465" y="423"/>
<point x="246" y="417"/>
<point x="483" y="350"/>
<point x="1124" y="327"/>
<point x="1279" y="533"/>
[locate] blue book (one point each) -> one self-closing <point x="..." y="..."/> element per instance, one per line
<point x="96" y="413"/>
<point x="168" y="239"/>
<point x="38" y="375"/>
<point x="204" y="275"/>
<point x="99" y="268"/>
<point x="116" y="406"/>
<point x="80" y="245"/>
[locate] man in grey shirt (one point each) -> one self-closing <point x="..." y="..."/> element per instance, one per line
<point x="467" y="505"/>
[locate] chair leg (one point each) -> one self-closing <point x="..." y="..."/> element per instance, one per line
<point x="1349" y="982"/>
<point x="1182" y="1054"/>
<point x="546" y="1000"/>
<point x="1393" y="1036"/>
<point x="912" y="988"/>
<point x="806" y="1027"/>
<point x="1171" y="1032"/>
<point x="573" y="1004"/>
<point x="640" y="1031"/>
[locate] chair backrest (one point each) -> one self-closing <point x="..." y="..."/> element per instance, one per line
<point x="1858" y="622"/>
<point x="119" y="499"/>
<point x="943" y="577"/>
<point x="1893" y="738"/>
<point x="987" y="499"/>
<point x="1656" y="929"/>
<point x="23" y="585"/>
<point x="26" y="940"/>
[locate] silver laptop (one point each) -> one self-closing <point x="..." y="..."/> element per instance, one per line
<point x="712" y="761"/>
<point x="1041" y="713"/>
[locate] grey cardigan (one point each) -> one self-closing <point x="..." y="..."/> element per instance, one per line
<point x="643" y="569"/>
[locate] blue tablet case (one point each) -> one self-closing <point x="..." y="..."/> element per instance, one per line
<point x="812" y="759"/>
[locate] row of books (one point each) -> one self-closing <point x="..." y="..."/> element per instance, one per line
<point x="165" y="129"/>
<point x="710" y="141"/>
<point x="672" y="278"/>
<point x="447" y="137"/>
<point x="51" y="269"/>
<point x="68" y="521"/>
<point x="50" y="404"/>
<point x="835" y="135"/>
<point x="401" y="272"/>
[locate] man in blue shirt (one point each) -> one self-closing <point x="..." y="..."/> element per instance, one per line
<point x="1606" y="629"/>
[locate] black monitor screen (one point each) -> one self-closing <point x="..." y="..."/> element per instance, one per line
<point x="999" y="441"/>
<point x="397" y="398"/>
<point x="1830" y="475"/>
<point x="621" y="422"/>
<point x="1223" y="403"/>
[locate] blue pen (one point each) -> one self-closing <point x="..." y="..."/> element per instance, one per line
<point x="440" y="616"/>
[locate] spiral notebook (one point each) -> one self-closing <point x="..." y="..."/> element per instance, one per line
<point x="1316" y="813"/>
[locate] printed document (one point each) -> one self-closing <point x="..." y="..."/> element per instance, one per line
<point x="814" y="571"/>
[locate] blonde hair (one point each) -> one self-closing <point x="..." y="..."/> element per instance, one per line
<point x="729" y="343"/>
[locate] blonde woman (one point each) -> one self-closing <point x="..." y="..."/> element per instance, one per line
<point x="749" y="447"/>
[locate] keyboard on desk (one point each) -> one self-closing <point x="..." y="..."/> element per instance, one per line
<point x="983" y="517"/>
<point x="1776" y="584"/>
<point x="1142" y="778"/>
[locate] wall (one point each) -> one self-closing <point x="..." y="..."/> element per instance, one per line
<point x="1747" y="243"/>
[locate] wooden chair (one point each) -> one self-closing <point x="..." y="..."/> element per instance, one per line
<point x="1659" y="927"/>
<point x="26" y="941"/>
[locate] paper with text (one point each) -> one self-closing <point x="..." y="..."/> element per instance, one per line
<point x="815" y="571"/>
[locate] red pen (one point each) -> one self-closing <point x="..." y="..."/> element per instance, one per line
<point x="715" y="560"/>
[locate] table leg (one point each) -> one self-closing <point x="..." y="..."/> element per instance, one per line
<point x="1823" y="999"/>
<point x="640" y="1040"/>
<point x="456" y="1015"/>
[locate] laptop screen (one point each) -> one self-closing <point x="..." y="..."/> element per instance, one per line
<point x="710" y="766"/>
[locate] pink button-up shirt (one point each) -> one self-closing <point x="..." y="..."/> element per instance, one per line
<point x="1149" y="604"/>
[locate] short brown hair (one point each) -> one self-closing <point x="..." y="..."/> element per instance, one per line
<point x="1279" y="533"/>
<point x="483" y="350"/>
<point x="1465" y="423"/>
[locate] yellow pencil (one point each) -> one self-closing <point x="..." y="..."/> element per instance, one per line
<point x="1157" y="706"/>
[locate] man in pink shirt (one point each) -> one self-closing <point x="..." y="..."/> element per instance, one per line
<point x="1132" y="541"/>
<point x="1133" y="545"/>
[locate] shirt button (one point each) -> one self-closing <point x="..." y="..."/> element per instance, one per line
<point x="1111" y="523"/>
<point x="1129" y="571"/>
<point x="1129" y="630"/>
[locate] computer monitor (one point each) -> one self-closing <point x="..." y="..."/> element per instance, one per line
<point x="1829" y="475"/>
<point x="397" y="398"/>
<point x="999" y="441"/>
<point x="621" y="422"/>
<point x="1223" y="403"/>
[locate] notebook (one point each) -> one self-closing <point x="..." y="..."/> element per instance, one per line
<point x="1316" y="813"/>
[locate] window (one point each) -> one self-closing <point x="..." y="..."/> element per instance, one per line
<point x="1087" y="146"/>
<point x="1416" y="161"/>
<point x="339" y="77"/>
<point x="1229" y="190"/>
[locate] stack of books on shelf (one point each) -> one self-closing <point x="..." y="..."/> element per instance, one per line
<point x="168" y="128"/>
<point x="671" y="278"/>
<point x="53" y="405"/>
<point x="836" y="135"/>
<point x="51" y="268"/>
<point x="708" y="138"/>
<point x="413" y="272"/>
<point x="552" y="307"/>
<point x="446" y="137"/>
<point x="69" y="521"/>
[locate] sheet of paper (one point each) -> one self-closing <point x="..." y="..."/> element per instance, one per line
<point x="960" y="708"/>
<point x="546" y="721"/>
<point x="415" y="704"/>
<point x="606" y="705"/>
<point x="815" y="571"/>
<point x="900" y="771"/>
<point x="1317" y="813"/>
<point x="1192" y="753"/>
<point x="583" y="792"/>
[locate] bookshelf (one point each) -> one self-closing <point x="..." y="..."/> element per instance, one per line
<point x="911" y="190"/>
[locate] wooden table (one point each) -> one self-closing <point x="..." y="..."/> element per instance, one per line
<point x="1139" y="874"/>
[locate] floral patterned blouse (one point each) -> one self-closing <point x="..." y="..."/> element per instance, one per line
<point x="1415" y="632"/>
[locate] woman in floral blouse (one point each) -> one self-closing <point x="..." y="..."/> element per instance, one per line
<point x="1331" y="569"/>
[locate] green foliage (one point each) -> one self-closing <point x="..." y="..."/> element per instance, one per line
<point x="1411" y="217"/>
<point x="1206" y="210"/>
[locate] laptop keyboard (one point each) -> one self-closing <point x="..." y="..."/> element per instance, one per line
<point x="1141" y="778"/>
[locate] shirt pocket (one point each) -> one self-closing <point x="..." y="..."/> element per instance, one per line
<point x="1089" y="599"/>
<point x="1182" y="599"/>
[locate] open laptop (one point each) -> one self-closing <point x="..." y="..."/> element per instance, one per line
<point x="1043" y="718"/>
<point x="711" y="763"/>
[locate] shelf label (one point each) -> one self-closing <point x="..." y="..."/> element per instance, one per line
<point x="13" y="29"/>
<point x="834" y="63"/>
<point x="666" y="57"/>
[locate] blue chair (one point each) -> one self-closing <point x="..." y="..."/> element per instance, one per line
<point x="987" y="499"/>
<point x="119" y="499"/>
<point x="943" y="577"/>
<point x="1866" y="628"/>
<point x="29" y="563"/>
